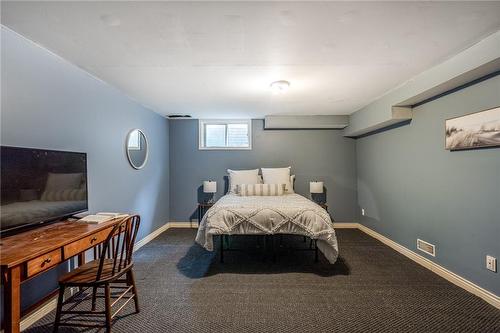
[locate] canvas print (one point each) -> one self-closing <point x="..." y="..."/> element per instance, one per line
<point x="477" y="130"/>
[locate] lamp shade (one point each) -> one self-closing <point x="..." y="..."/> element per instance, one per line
<point x="316" y="187"/>
<point x="209" y="186"/>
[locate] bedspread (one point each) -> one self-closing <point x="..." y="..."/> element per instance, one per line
<point x="268" y="215"/>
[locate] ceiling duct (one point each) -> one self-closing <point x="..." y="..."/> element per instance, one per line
<point x="306" y="122"/>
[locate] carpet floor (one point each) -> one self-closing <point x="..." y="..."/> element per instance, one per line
<point x="371" y="288"/>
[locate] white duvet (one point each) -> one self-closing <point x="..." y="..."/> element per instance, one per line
<point x="267" y="215"/>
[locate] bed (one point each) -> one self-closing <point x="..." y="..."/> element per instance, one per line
<point x="269" y="215"/>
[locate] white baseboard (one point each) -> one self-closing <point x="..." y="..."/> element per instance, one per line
<point x="345" y="225"/>
<point x="151" y="236"/>
<point x="183" y="224"/>
<point x="429" y="264"/>
<point x="489" y="297"/>
<point x="439" y="270"/>
<point x="39" y="313"/>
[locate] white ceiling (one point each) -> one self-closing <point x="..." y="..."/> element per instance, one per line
<point x="217" y="59"/>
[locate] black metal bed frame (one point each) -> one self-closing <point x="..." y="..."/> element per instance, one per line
<point x="313" y="246"/>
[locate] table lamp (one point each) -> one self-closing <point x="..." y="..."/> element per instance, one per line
<point x="315" y="188"/>
<point x="210" y="186"/>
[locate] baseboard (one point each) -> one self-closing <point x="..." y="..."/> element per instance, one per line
<point x="489" y="297"/>
<point x="429" y="264"/>
<point x="183" y="224"/>
<point x="439" y="270"/>
<point x="151" y="236"/>
<point x="39" y="313"/>
<point x="51" y="303"/>
<point x="345" y="225"/>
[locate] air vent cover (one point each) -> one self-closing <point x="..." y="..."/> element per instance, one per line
<point x="426" y="247"/>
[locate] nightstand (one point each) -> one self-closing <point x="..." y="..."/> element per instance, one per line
<point x="202" y="209"/>
<point x="324" y="205"/>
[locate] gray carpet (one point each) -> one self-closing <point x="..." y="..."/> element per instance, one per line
<point x="371" y="288"/>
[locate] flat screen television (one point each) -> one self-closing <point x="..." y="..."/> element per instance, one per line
<point x="39" y="186"/>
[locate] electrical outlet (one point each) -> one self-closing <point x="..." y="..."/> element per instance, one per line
<point x="363" y="211"/>
<point x="491" y="263"/>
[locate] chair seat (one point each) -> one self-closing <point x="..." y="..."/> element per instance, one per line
<point x="87" y="273"/>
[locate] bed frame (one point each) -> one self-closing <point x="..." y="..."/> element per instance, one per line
<point x="269" y="241"/>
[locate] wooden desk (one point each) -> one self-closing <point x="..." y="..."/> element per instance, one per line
<point x="28" y="254"/>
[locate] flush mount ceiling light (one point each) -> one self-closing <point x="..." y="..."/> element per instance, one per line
<point x="280" y="87"/>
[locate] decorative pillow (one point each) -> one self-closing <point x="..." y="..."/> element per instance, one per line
<point x="237" y="177"/>
<point x="246" y="190"/>
<point x="28" y="195"/>
<point x="64" y="195"/>
<point x="63" y="181"/>
<point x="278" y="176"/>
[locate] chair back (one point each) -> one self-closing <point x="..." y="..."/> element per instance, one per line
<point x="119" y="246"/>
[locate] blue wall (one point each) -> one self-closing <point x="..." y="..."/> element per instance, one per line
<point x="411" y="187"/>
<point x="49" y="103"/>
<point x="313" y="155"/>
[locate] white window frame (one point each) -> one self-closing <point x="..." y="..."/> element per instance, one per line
<point x="201" y="132"/>
<point x="134" y="143"/>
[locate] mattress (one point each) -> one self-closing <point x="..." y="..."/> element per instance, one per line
<point x="268" y="215"/>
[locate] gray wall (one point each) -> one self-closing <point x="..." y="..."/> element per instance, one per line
<point x="411" y="187"/>
<point x="49" y="103"/>
<point x="313" y="154"/>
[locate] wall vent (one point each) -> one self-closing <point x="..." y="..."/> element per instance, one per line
<point x="426" y="247"/>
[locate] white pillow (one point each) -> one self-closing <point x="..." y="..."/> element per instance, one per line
<point x="64" y="195"/>
<point x="237" y="177"/>
<point x="278" y="176"/>
<point x="245" y="190"/>
<point x="63" y="181"/>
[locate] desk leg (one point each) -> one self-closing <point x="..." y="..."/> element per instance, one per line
<point x="81" y="261"/>
<point x="12" y="300"/>
<point x="81" y="258"/>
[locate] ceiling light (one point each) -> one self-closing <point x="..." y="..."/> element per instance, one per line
<point x="280" y="87"/>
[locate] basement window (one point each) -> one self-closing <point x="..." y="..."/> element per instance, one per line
<point x="225" y="134"/>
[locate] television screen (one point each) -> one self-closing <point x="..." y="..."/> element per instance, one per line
<point x="39" y="186"/>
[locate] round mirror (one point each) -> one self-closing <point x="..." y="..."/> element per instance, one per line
<point x="137" y="148"/>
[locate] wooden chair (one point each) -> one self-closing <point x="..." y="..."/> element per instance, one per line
<point x="114" y="261"/>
